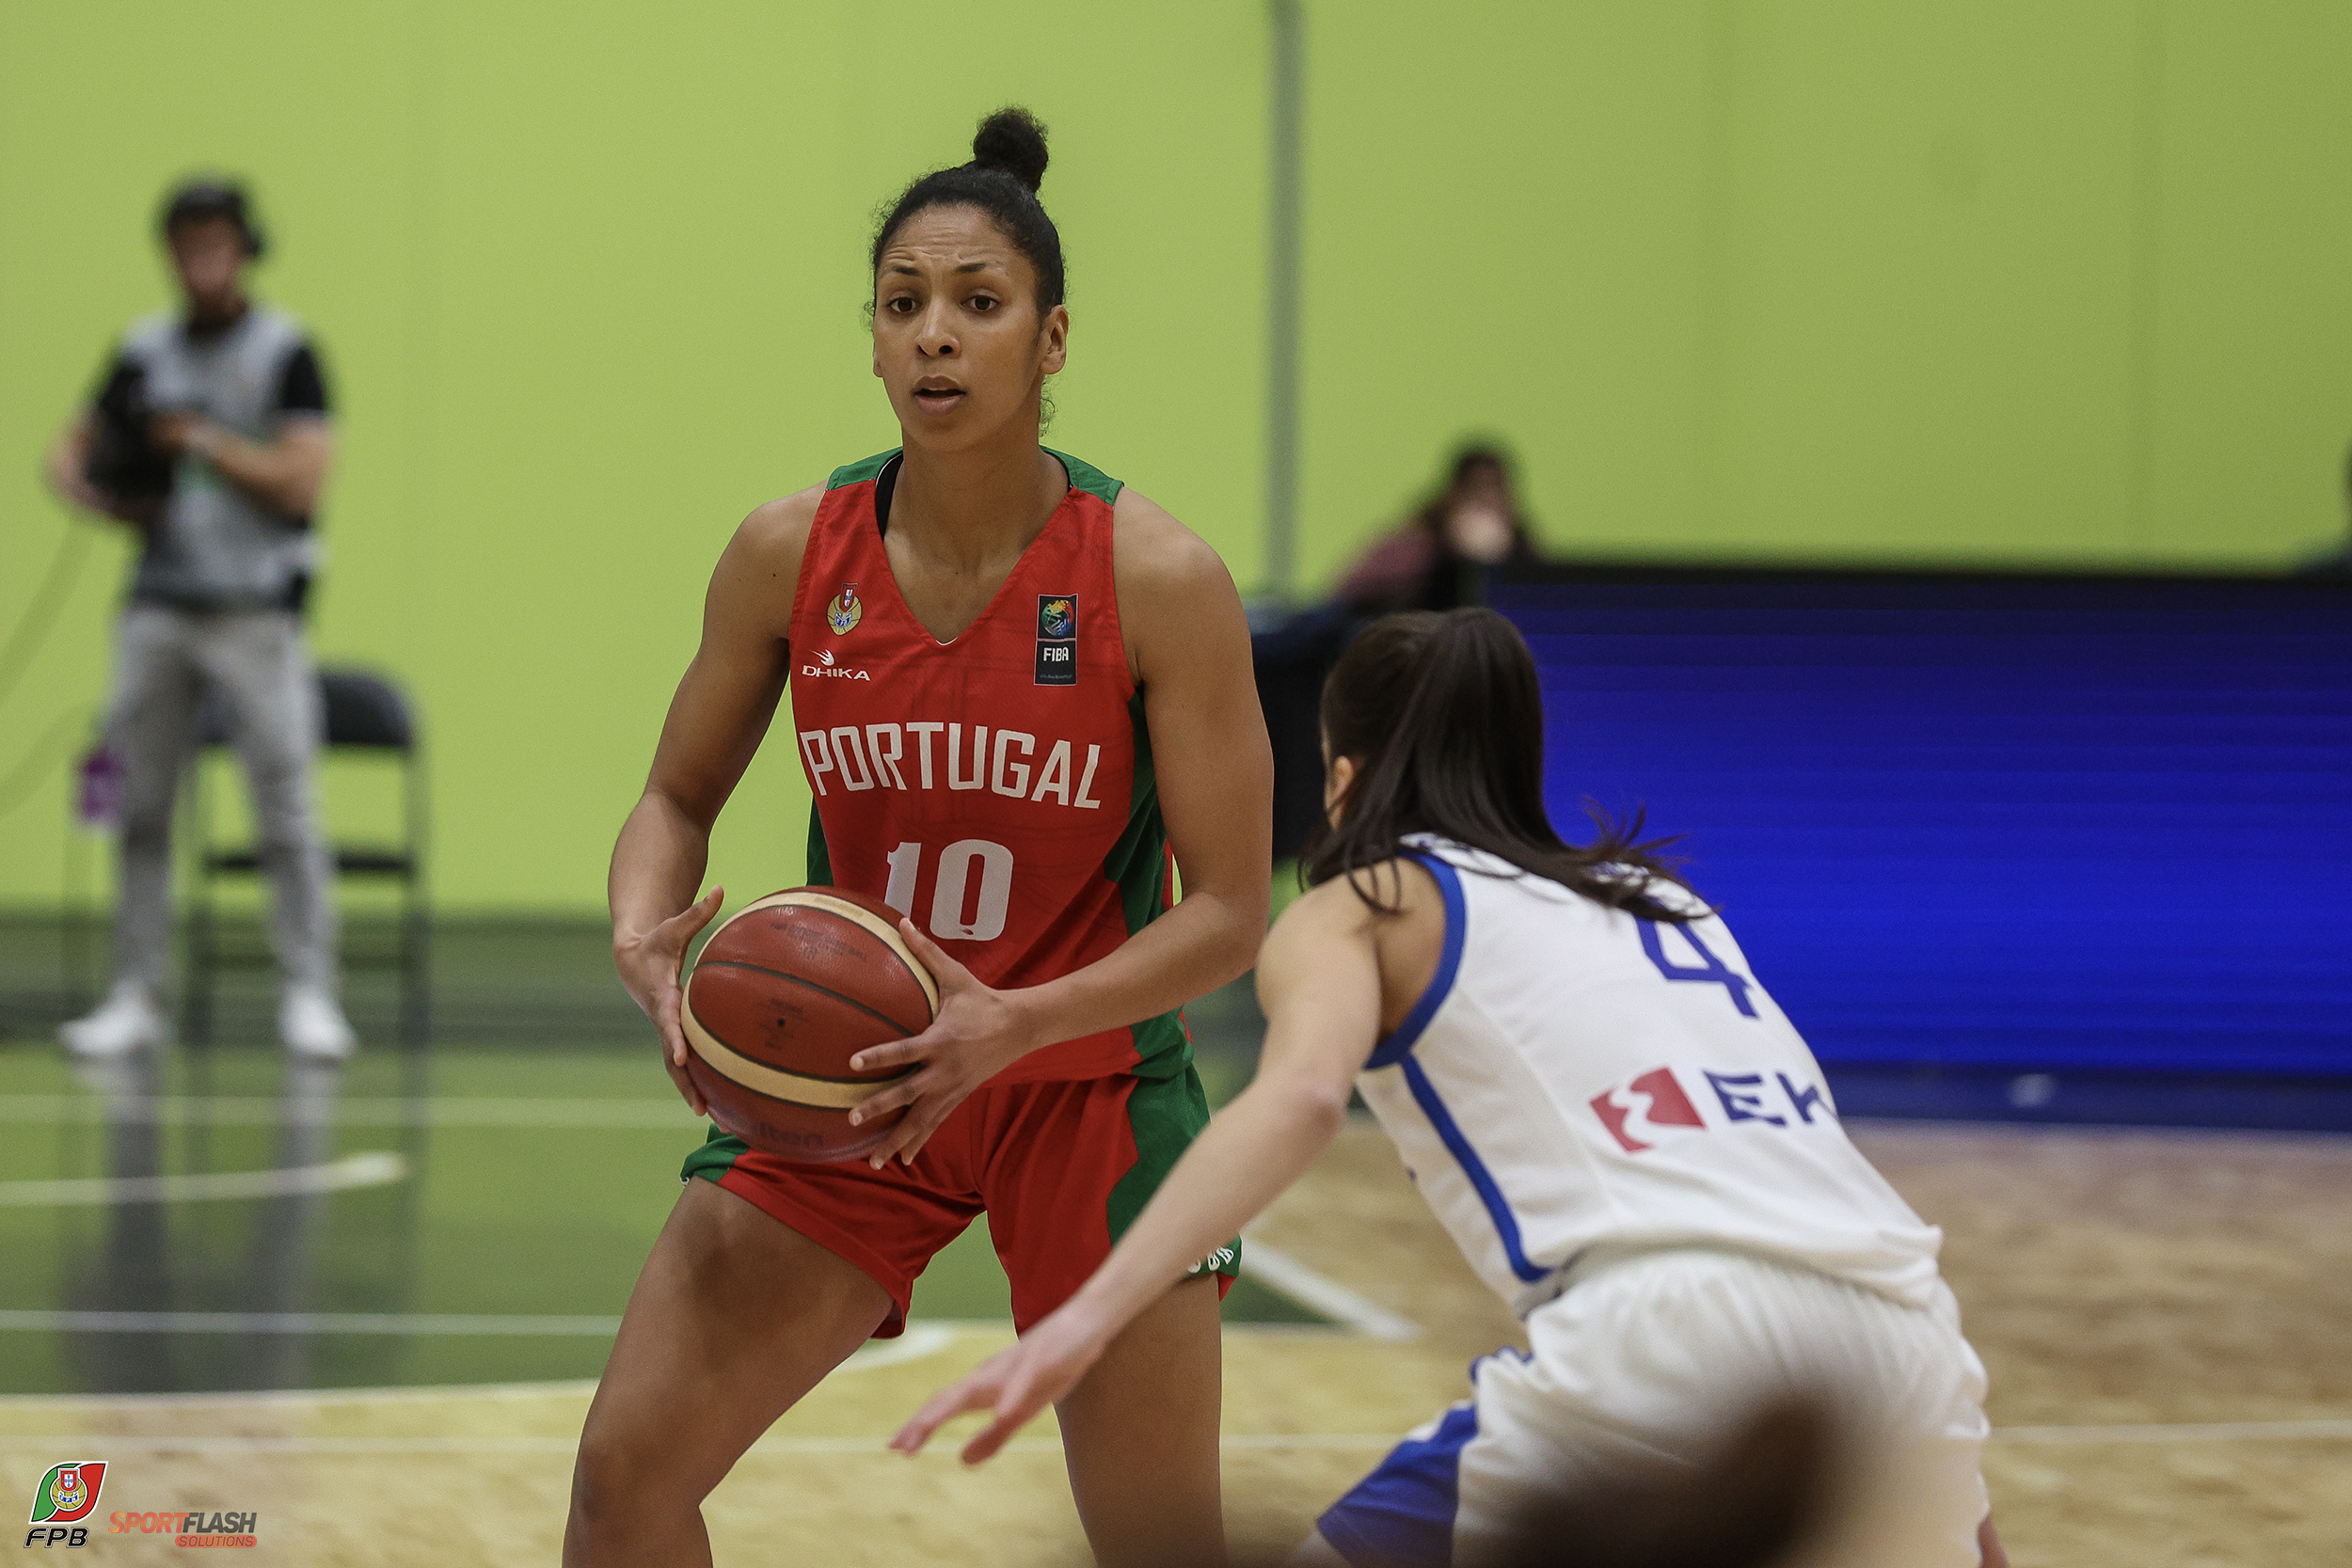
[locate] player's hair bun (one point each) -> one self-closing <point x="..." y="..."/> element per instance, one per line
<point x="1012" y="139"/>
<point x="1011" y="143"/>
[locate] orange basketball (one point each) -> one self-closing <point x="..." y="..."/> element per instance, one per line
<point x="781" y="997"/>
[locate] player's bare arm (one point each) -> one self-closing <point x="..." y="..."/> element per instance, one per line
<point x="715" y="724"/>
<point x="1188" y="649"/>
<point x="1333" y="978"/>
<point x="284" y="473"/>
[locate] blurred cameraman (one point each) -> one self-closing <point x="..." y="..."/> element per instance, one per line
<point x="209" y="434"/>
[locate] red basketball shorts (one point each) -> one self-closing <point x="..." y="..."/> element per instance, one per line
<point x="1061" y="1170"/>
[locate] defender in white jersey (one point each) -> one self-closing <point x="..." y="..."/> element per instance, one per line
<point x="1627" y="1140"/>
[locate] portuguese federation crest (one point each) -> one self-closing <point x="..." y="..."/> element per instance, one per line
<point x="846" y="610"/>
<point x="69" y="1492"/>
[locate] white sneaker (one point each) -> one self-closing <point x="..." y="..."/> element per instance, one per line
<point x="312" y="1025"/>
<point x="127" y="1020"/>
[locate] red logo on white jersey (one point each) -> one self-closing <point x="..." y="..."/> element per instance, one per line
<point x="1637" y="1114"/>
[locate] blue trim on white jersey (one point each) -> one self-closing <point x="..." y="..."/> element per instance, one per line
<point x="1392" y="1050"/>
<point x="1506" y="1223"/>
<point x="1402" y="1513"/>
<point x="1396" y="1050"/>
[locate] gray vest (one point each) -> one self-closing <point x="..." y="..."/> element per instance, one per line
<point x="214" y="546"/>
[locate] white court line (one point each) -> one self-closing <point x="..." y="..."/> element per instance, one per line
<point x="924" y="1338"/>
<point x="272" y="1111"/>
<point x="1316" y="1292"/>
<point x="770" y="1446"/>
<point x="374" y="1169"/>
<point x="309" y="1322"/>
<point x="2187" y="1432"/>
<point x="308" y="1399"/>
<point x="1275" y="1269"/>
<point x="1248" y="1442"/>
<point x="931" y="1335"/>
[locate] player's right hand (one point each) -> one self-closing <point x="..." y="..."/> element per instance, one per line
<point x="1016" y="1383"/>
<point x="651" y="966"/>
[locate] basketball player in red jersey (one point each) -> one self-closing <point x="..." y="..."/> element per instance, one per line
<point x="1020" y="692"/>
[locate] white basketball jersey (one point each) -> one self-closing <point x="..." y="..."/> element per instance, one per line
<point x="1577" y="1078"/>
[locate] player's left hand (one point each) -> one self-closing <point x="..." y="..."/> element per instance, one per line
<point x="977" y="1033"/>
<point x="1016" y="1383"/>
<point x="179" y="432"/>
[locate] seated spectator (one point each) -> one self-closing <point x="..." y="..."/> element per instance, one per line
<point x="2335" y="559"/>
<point x="1436" y="558"/>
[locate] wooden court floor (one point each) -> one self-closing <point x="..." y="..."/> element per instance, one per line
<point x="2166" y="1319"/>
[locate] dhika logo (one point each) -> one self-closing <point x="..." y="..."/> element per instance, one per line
<point x="825" y="666"/>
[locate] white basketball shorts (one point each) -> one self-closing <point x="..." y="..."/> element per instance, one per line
<point x="1643" y="1360"/>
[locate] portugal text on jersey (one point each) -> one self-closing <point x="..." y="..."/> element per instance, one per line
<point x="998" y="789"/>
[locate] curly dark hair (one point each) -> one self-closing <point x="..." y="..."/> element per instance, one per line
<point x="1008" y="165"/>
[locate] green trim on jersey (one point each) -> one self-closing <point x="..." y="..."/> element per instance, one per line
<point x="714" y="1156"/>
<point x="819" y="852"/>
<point x="1138" y="865"/>
<point x="1094" y="480"/>
<point x="862" y="470"/>
<point x="1164" y="1115"/>
<point x="1083" y="474"/>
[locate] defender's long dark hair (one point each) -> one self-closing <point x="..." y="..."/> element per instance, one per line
<point x="1444" y="720"/>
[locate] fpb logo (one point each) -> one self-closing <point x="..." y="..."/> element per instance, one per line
<point x="65" y="1497"/>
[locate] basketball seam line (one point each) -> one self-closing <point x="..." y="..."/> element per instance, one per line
<point x="841" y="906"/>
<point x="704" y="1043"/>
<point x="924" y="980"/>
<point x="904" y="1033"/>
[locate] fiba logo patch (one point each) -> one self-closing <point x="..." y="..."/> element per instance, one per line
<point x="846" y="610"/>
<point x="1058" y="640"/>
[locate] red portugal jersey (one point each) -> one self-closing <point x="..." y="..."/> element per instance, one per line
<point x="998" y="789"/>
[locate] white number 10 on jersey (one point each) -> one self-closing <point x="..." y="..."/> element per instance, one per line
<point x="955" y="883"/>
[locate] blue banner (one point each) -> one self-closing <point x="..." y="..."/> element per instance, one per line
<point x="2015" y="823"/>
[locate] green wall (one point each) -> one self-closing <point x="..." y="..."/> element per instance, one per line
<point x="2004" y="282"/>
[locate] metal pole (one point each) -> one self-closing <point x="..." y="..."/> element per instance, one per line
<point x="1285" y="170"/>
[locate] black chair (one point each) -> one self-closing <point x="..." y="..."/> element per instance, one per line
<point x="366" y="715"/>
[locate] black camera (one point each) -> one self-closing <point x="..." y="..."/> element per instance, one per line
<point x="123" y="462"/>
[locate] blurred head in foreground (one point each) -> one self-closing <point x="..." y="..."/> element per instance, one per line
<point x="1761" y="1499"/>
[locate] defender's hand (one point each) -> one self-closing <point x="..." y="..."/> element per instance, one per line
<point x="1016" y="1383"/>
<point x="650" y="967"/>
<point x="977" y="1033"/>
